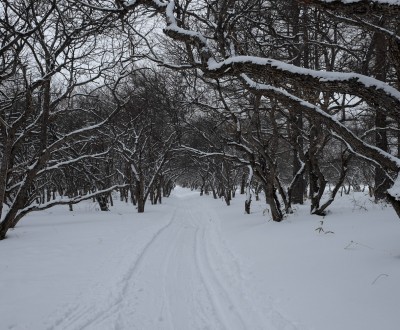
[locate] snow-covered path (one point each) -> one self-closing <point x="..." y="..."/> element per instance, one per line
<point x="194" y="263"/>
<point x="184" y="277"/>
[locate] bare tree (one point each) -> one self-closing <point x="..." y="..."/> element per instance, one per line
<point x="43" y="128"/>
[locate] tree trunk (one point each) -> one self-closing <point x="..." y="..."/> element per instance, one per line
<point x="297" y="196"/>
<point x="299" y="53"/>
<point x="272" y="201"/>
<point x="243" y="184"/>
<point x="5" y="225"/>
<point x="381" y="181"/>
<point x="228" y="197"/>
<point x="111" y="199"/>
<point x="159" y="193"/>
<point x="140" y="205"/>
<point x="140" y="196"/>
<point x="214" y="192"/>
<point x="153" y="199"/>
<point x="247" y="205"/>
<point x="132" y="190"/>
<point x="395" y="203"/>
<point x="103" y="202"/>
<point x="10" y="221"/>
<point x="343" y="171"/>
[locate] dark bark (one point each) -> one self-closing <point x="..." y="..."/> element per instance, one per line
<point x="140" y="196"/>
<point x="316" y="178"/>
<point x="273" y="202"/>
<point x="243" y="184"/>
<point x="296" y="121"/>
<point x="339" y="183"/>
<point x="298" y="188"/>
<point x="103" y="202"/>
<point x="228" y="196"/>
<point x="140" y="205"/>
<point x="381" y="140"/>
<point x="286" y="202"/>
<point x="395" y="203"/>
<point x="247" y="205"/>
<point x="133" y="195"/>
<point x="214" y="192"/>
<point x="360" y="7"/>
<point x="281" y="77"/>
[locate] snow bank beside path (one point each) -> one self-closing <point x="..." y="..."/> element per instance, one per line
<point x="341" y="271"/>
<point x="53" y="258"/>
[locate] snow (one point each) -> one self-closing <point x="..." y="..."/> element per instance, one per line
<point x="194" y="263"/>
<point x="173" y="26"/>
<point x="323" y="76"/>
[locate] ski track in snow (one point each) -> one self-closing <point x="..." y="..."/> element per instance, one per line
<point x="183" y="277"/>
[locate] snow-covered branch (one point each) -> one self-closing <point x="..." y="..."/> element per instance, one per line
<point x="64" y="200"/>
<point x="312" y="110"/>
<point x="359" y="7"/>
<point x="283" y="74"/>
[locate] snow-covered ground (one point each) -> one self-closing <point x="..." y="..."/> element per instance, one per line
<point x="194" y="263"/>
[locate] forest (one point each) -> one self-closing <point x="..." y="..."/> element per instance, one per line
<point x="293" y="100"/>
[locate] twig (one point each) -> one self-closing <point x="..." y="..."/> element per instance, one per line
<point x="378" y="277"/>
